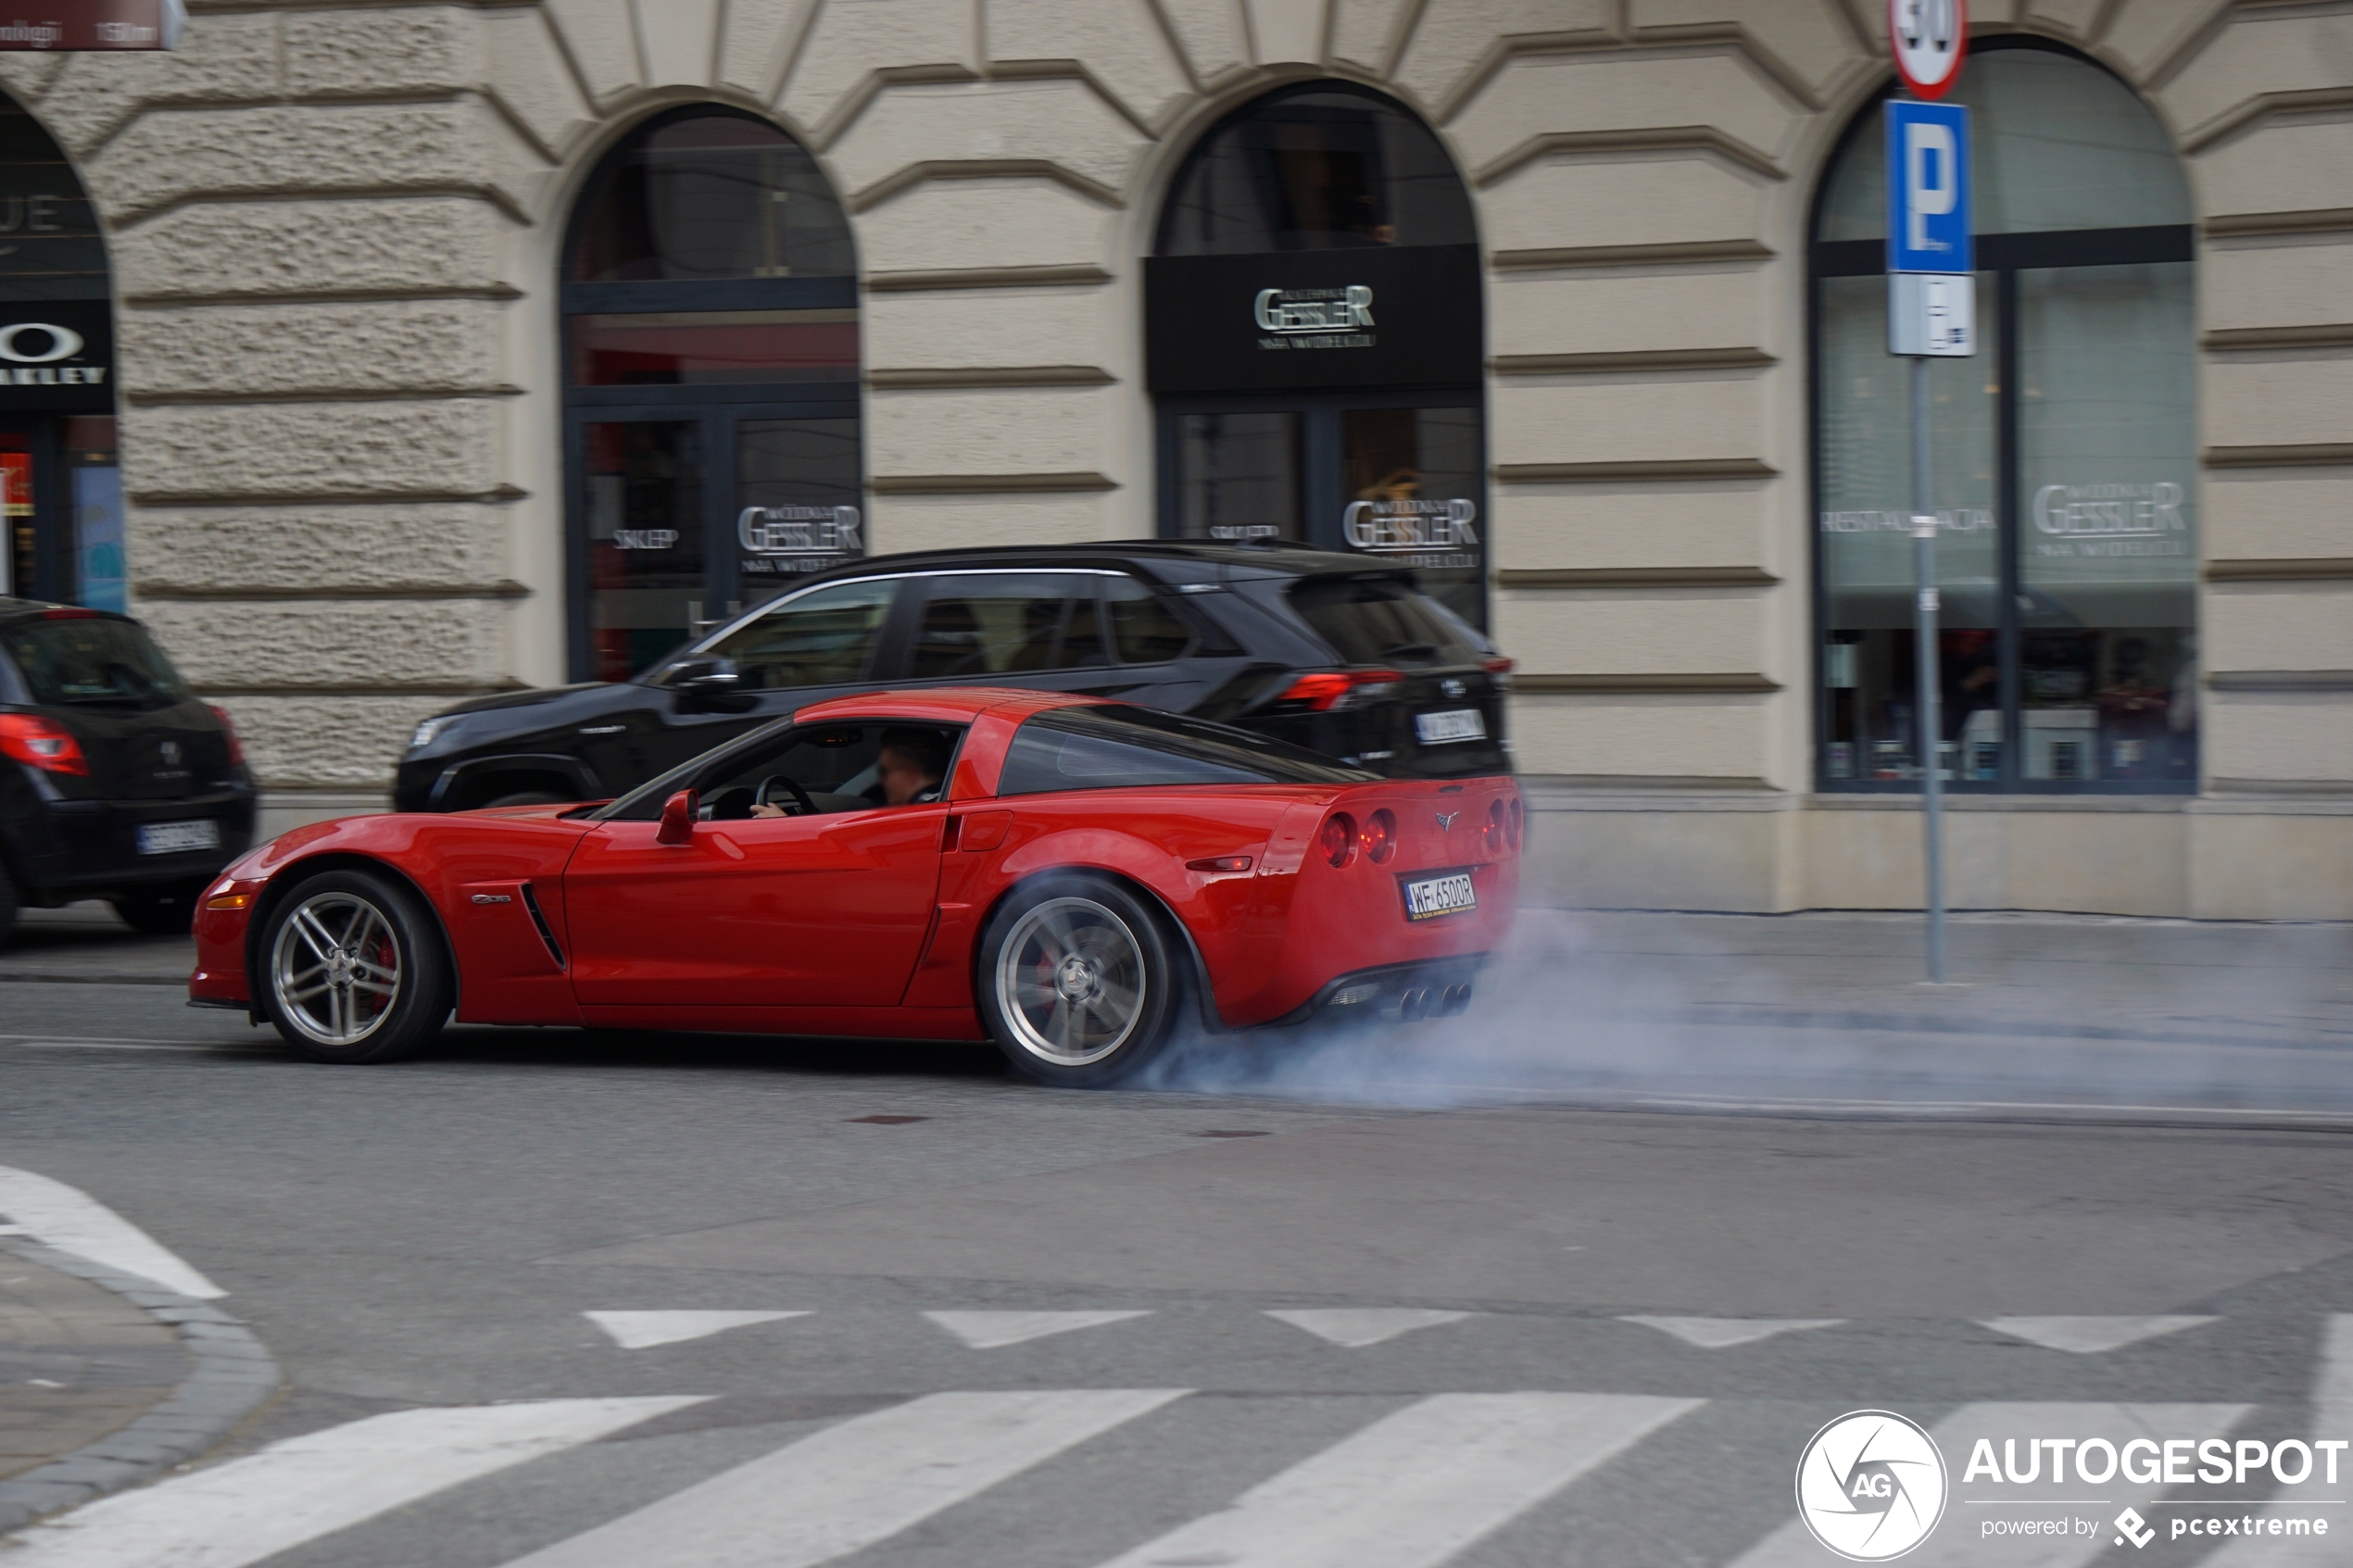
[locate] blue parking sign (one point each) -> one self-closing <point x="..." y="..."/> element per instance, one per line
<point x="1927" y="205"/>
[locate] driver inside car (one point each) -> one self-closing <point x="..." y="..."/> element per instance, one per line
<point x="907" y="769"/>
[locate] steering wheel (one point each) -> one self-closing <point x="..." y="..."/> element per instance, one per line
<point x="803" y="806"/>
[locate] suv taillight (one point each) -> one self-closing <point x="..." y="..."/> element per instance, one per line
<point x="37" y="743"/>
<point x="1324" y="690"/>
<point x="1501" y="671"/>
<point x="229" y="730"/>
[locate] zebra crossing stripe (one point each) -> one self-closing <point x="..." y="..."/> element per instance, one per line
<point x="301" y="1488"/>
<point x="1959" y="1541"/>
<point x="846" y="1487"/>
<point x="2332" y="1415"/>
<point x="1416" y="1487"/>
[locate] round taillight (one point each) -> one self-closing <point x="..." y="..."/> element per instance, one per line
<point x="1515" y="824"/>
<point x="1498" y="827"/>
<point x="1339" y="838"/>
<point x="1379" y="837"/>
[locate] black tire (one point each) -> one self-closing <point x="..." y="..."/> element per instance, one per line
<point x="7" y="906"/>
<point x="1078" y="983"/>
<point x="365" y="978"/>
<point x="163" y="909"/>
<point x="524" y="797"/>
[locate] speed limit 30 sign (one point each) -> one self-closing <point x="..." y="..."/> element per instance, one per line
<point x="1928" y="38"/>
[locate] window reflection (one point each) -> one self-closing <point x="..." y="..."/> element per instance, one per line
<point x="1238" y="475"/>
<point x="1319" y="168"/>
<point x="2067" y="503"/>
<point x="713" y="194"/>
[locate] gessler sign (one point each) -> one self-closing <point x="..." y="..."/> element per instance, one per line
<point x="71" y="26"/>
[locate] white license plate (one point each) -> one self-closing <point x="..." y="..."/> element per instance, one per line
<point x="175" y="838"/>
<point x="1435" y="896"/>
<point x="1460" y="723"/>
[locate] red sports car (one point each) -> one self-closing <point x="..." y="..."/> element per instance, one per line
<point x="1063" y="875"/>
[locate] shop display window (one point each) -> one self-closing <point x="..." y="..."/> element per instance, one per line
<point x="2063" y="469"/>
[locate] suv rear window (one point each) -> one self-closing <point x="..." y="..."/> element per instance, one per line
<point x="1381" y="620"/>
<point x="91" y="659"/>
<point x="1115" y="746"/>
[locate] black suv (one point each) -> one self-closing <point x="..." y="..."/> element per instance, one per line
<point x="1332" y="652"/>
<point x="115" y="783"/>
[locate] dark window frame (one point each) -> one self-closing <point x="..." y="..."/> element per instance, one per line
<point x="718" y="406"/>
<point x="2004" y="256"/>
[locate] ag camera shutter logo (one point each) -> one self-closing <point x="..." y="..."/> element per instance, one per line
<point x="1871" y="1486"/>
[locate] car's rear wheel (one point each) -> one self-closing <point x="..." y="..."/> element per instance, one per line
<point x="7" y="906"/>
<point x="1077" y="985"/>
<point x="165" y="909"/>
<point x="353" y="969"/>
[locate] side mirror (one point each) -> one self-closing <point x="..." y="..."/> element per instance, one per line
<point x="707" y="674"/>
<point x="678" y="815"/>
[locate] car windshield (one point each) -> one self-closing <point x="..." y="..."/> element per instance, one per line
<point x="1115" y="746"/>
<point x="80" y="659"/>
<point x="1383" y="621"/>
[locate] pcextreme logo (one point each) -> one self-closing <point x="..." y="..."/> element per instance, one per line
<point x="1871" y="1486"/>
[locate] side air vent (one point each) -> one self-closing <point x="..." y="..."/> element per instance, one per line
<point x="538" y="919"/>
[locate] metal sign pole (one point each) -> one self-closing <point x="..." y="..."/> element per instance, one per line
<point x="1931" y="314"/>
<point x="1932" y="682"/>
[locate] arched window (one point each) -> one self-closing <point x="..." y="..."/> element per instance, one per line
<point x="60" y="486"/>
<point x="2065" y="460"/>
<point x="710" y="349"/>
<point x="1315" y="341"/>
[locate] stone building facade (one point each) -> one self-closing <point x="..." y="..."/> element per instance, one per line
<point x="335" y="234"/>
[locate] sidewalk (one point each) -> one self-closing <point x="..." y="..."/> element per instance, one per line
<point x="76" y="1363"/>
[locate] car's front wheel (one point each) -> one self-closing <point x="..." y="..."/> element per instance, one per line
<point x="1077" y="983"/>
<point x="353" y="969"/>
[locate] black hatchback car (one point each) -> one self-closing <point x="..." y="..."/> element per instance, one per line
<point x="1332" y="652"/>
<point x="115" y="783"/>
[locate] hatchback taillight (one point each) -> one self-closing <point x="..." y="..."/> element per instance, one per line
<point x="1500" y="670"/>
<point x="37" y="743"/>
<point x="1339" y="838"/>
<point x="228" y="728"/>
<point x="1514" y="829"/>
<point x="1379" y="837"/>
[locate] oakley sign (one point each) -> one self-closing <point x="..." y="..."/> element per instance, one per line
<point x="54" y="344"/>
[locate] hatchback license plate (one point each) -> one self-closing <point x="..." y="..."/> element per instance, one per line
<point x="175" y="838"/>
<point x="1432" y="896"/>
<point x="1442" y="729"/>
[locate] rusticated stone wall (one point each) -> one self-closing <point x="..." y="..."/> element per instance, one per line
<point x="335" y="226"/>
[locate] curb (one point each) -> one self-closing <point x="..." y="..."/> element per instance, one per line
<point x="233" y="1377"/>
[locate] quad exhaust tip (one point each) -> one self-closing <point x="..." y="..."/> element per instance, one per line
<point x="1430" y="1001"/>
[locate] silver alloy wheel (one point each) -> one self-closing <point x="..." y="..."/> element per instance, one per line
<point x="335" y="967"/>
<point x="1071" y="982"/>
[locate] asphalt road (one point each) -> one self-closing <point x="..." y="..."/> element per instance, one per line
<point x="1465" y="1374"/>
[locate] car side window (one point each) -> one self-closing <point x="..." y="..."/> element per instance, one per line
<point x="1006" y="623"/>
<point x="1143" y="628"/>
<point x="821" y="638"/>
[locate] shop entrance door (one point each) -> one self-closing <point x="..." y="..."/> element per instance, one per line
<point x="1396" y="476"/>
<point x="683" y="516"/>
